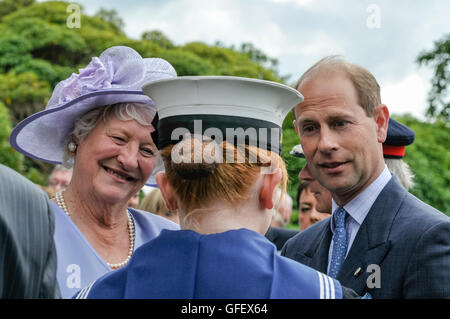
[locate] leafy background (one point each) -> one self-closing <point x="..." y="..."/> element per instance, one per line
<point x="38" y="49"/>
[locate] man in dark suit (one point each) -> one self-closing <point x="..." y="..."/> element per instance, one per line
<point x="27" y="251"/>
<point x="380" y="239"/>
<point x="279" y="235"/>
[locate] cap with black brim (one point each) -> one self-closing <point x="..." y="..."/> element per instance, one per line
<point x="238" y="110"/>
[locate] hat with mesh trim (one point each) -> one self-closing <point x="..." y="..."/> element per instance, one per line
<point x="116" y="76"/>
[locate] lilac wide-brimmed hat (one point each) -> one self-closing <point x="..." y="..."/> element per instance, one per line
<point x="114" y="77"/>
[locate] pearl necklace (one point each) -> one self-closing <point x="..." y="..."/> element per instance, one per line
<point x="62" y="204"/>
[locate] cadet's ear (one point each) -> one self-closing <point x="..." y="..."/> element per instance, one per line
<point x="268" y="184"/>
<point x="166" y="191"/>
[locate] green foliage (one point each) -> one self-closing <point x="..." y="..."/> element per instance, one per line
<point x="14" y="50"/>
<point x="24" y="94"/>
<point x="158" y="38"/>
<point x="293" y="164"/>
<point x="187" y="63"/>
<point x="9" y="156"/>
<point x="225" y="61"/>
<point x="52" y="12"/>
<point x="111" y="17"/>
<point x="257" y="55"/>
<point x="429" y="159"/>
<point x="44" y="70"/>
<point x="48" y="41"/>
<point x="438" y="97"/>
<point x="8" y="6"/>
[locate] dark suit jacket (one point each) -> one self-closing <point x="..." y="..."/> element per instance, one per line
<point x="27" y="251"/>
<point x="408" y="239"/>
<point x="279" y="235"/>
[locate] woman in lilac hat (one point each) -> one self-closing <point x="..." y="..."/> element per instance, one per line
<point x="100" y="123"/>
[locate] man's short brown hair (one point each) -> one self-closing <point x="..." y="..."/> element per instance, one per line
<point x="364" y="82"/>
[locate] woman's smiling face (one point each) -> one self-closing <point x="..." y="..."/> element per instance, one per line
<point x="116" y="158"/>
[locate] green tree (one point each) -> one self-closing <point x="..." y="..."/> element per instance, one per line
<point x="8" y="6"/>
<point x="429" y="159"/>
<point x="187" y="63"/>
<point x="9" y="156"/>
<point x="257" y="55"/>
<point x="158" y="38"/>
<point x="293" y="164"/>
<point x="24" y="94"/>
<point x="14" y="50"/>
<point x="262" y="59"/>
<point x="112" y="17"/>
<point x="438" y="97"/>
<point x="225" y="61"/>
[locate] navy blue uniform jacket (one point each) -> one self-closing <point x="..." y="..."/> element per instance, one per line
<point x="234" y="264"/>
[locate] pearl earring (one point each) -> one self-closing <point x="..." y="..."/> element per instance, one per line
<point x="72" y="147"/>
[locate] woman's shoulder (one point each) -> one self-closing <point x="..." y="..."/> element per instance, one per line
<point x="153" y="221"/>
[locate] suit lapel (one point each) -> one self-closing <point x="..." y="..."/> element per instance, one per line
<point x="354" y="272"/>
<point x="318" y="252"/>
<point x="372" y="243"/>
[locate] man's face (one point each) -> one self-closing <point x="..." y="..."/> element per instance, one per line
<point x="134" y="201"/>
<point x="342" y="145"/>
<point x="307" y="207"/>
<point x="59" y="180"/>
<point x="322" y="195"/>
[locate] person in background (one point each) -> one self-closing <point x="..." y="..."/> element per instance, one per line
<point x="321" y="194"/>
<point x="225" y="205"/>
<point x="27" y="250"/>
<point x="308" y="214"/>
<point x="283" y="209"/>
<point x="154" y="203"/>
<point x="398" y="137"/>
<point x="133" y="202"/>
<point x="59" y="178"/>
<point x="380" y="239"/>
<point x="100" y="123"/>
<point x="277" y="233"/>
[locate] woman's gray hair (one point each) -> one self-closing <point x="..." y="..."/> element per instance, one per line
<point x="87" y="122"/>
<point x="401" y="170"/>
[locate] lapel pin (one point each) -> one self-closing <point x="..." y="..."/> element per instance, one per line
<point x="357" y="272"/>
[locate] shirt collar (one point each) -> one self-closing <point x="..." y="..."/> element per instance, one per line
<point x="359" y="207"/>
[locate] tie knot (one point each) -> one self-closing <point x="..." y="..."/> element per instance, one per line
<point x="339" y="217"/>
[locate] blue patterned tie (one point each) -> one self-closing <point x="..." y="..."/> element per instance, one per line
<point x="339" y="242"/>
